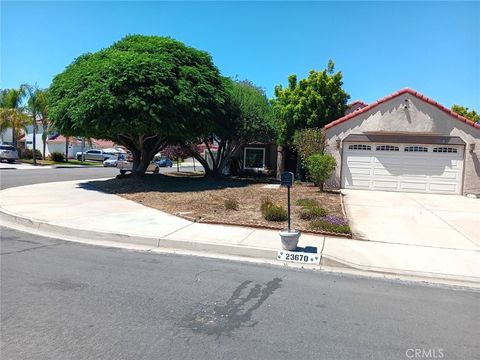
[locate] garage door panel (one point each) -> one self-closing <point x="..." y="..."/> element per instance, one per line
<point x="359" y="183"/>
<point x="384" y="184"/>
<point x="413" y="186"/>
<point x="360" y="171"/>
<point x="444" y="187"/>
<point x="403" y="171"/>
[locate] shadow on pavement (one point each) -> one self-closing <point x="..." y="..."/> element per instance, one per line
<point x="179" y="182"/>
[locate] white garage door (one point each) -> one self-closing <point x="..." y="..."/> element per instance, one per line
<point x="403" y="167"/>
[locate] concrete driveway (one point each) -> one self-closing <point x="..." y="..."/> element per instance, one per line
<point x="446" y="221"/>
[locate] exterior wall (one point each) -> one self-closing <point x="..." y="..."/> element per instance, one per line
<point x="419" y="118"/>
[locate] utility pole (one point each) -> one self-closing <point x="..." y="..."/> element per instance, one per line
<point x="83" y="150"/>
<point x="34" y="138"/>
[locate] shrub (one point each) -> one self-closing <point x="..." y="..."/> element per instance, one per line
<point x="272" y="212"/>
<point x="231" y="204"/>
<point x="305" y="202"/>
<point x="57" y="156"/>
<point x="28" y="154"/>
<point x="320" y="168"/>
<point x="331" y="224"/>
<point x="312" y="212"/>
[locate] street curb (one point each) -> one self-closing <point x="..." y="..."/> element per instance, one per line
<point x="235" y="250"/>
<point x="230" y="250"/>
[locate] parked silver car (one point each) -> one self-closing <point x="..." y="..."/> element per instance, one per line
<point x="95" y="155"/>
<point x="8" y="153"/>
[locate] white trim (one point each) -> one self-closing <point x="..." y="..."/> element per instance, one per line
<point x="245" y="157"/>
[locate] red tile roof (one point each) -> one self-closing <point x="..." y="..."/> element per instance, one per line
<point x="357" y="102"/>
<point x="394" y="95"/>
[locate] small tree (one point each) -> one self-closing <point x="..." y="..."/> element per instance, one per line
<point x="176" y="152"/>
<point x="307" y="142"/>
<point x="320" y="168"/>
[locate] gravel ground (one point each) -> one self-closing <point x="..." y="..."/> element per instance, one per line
<point x="196" y="197"/>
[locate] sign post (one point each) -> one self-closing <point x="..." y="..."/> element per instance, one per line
<point x="288" y="236"/>
<point x="287" y="180"/>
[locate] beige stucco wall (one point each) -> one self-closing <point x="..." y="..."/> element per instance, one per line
<point x="420" y="118"/>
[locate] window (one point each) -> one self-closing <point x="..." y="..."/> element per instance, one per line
<point x="444" y="150"/>
<point x="415" y="149"/>
<point x="254" y="158"/>
<point x="359" y="147"/>
<point x="7" y="147"/>
<point x="387" y="148"/>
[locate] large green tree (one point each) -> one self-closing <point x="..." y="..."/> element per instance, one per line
<point x="312" y="102"/>
<point x="139" y="92"/>
<point x="246" y="119"/>
<point x="466" y="112"/>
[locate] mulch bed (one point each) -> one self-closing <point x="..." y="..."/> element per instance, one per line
<point x="202" y="199"/>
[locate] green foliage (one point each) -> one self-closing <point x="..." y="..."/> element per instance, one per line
<point x="139" y="92"/>
<point x="272" y="212"/>
<point x="231" y="204"/>
<point x="464" y="111"/>
<point x="254" y="121"/>
<point x="325" y="225"/>
<point x="312" y="212"/>
<point x="28" y="154"/>
<point x="308" y="142"/>
<point x="310" y="103"/>
<point x="306" y="202"/>
<point x="247" y="119"/>
<point x="57" y="156"/>
<point x="320" y="168"/>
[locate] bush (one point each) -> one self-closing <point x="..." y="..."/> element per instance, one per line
<point x="57" y="156"/>
<point x="272" y="212"/>
<point x="307" y="202"/>
<point x="28" y="154"/>
<point x="231" y="204"/>
<point x="312" y="212"/>
<point x="331" y="224"/>
<point x="320" y="168"/>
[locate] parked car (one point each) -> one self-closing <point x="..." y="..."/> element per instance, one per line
<point x="9" y="153"/>
<point x="125" y="164"/>
<point x="110" y="163"/>
<point x="164" y="162"/>
<point x="95" y="155"/>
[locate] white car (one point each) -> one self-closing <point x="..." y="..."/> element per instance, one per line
<point x="95" y="155"/>
<point x="9" y="153"/>
<point x="110" y="163"/>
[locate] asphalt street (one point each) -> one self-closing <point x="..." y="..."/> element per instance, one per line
<point x="13" y="177"/>
<point x="65" y="300"/>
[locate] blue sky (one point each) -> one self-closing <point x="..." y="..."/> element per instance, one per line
<point x="380" y="47"/>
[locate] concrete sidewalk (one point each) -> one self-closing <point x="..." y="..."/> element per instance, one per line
<point x="77" y="209"/>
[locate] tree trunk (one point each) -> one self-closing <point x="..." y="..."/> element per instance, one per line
<point x="280" y="161"/>
<point x="321" y="186"/>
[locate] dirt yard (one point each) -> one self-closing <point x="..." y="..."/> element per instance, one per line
<point x="201" y="199"/>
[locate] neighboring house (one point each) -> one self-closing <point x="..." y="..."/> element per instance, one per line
<point x="405" y="142"/>
<point x="57" y="142"/>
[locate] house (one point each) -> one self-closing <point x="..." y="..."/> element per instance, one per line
<point x="405" y="142"/>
